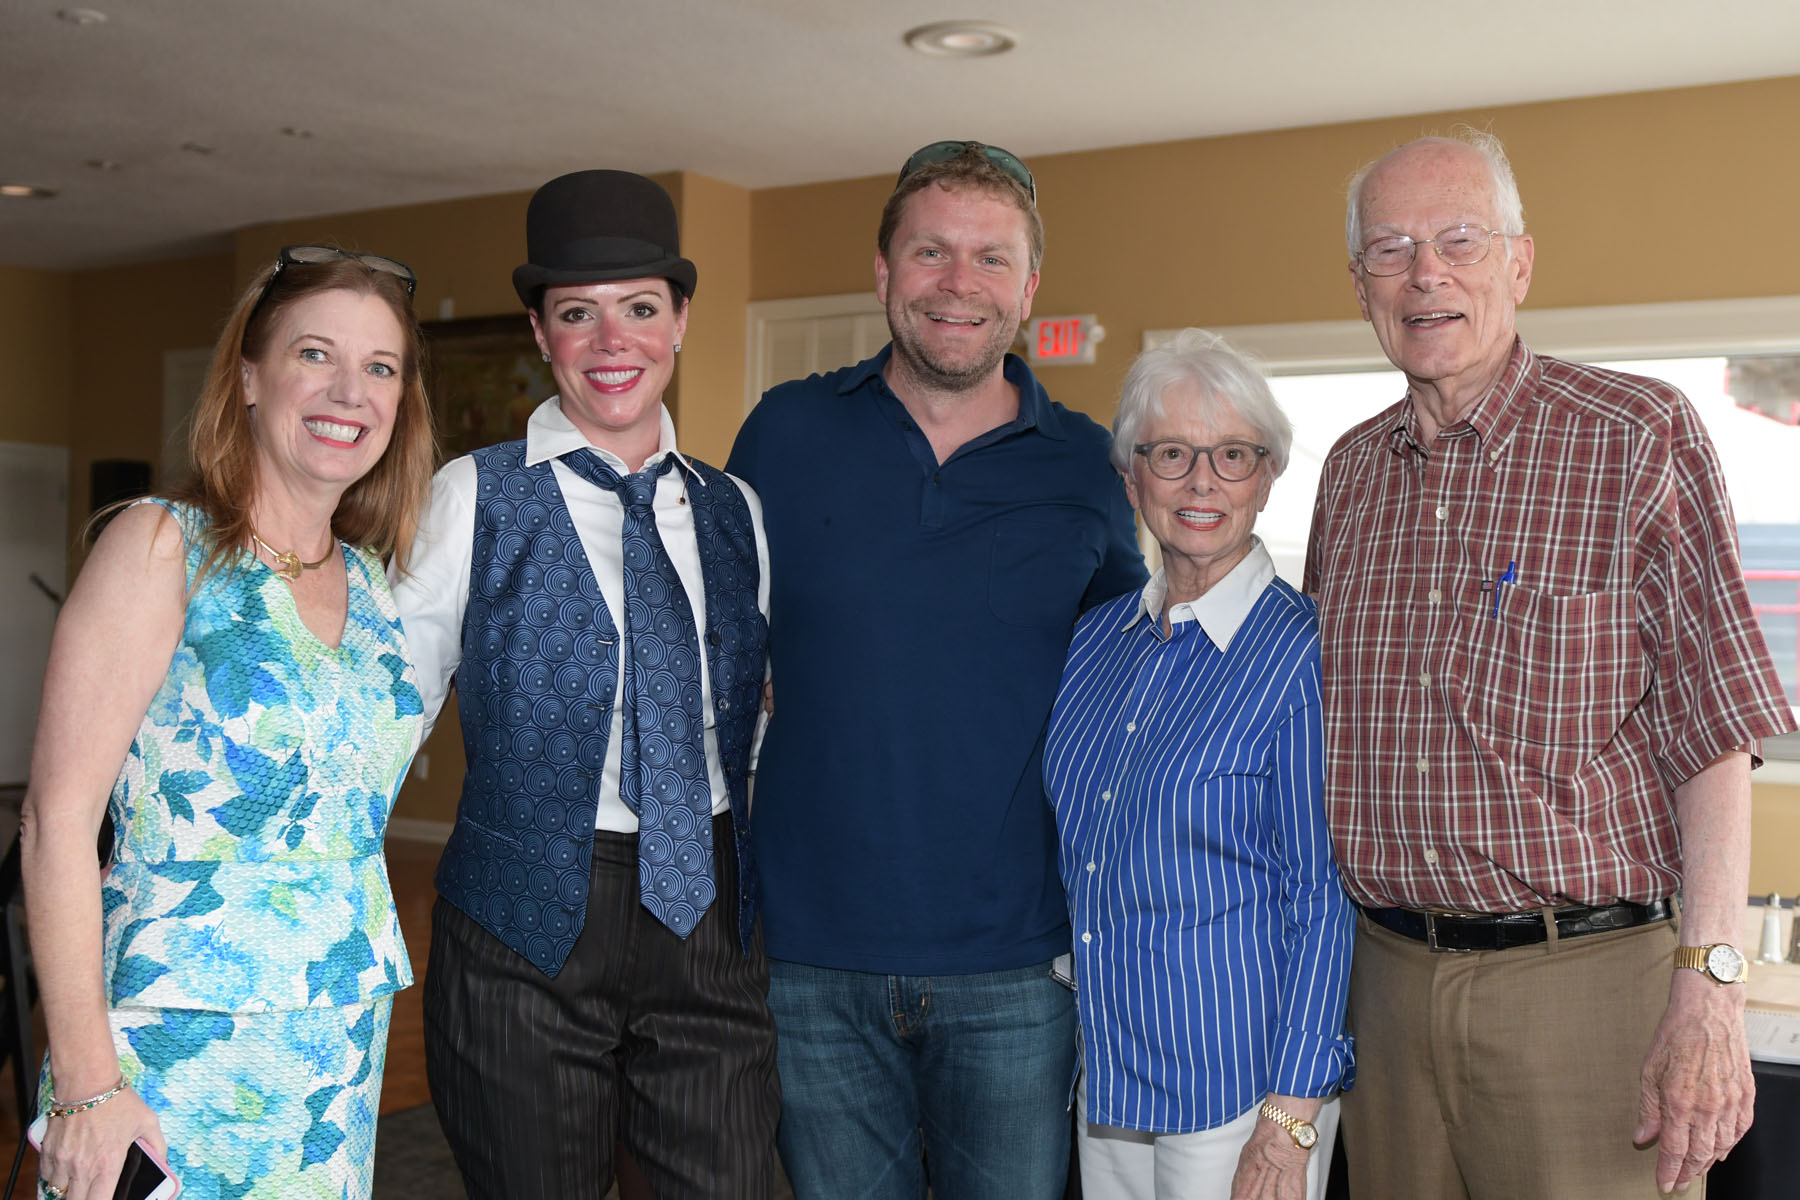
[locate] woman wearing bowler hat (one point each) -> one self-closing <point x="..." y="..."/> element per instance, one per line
<point x="601" y="602"/>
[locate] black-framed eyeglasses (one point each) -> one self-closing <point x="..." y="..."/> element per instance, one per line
<point x="941" y="152"/>
<point x="1172" y="458"/>
<point x="1458" y="245"/>
<point x="312" y="256"/>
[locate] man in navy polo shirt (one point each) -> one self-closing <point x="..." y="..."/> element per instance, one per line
<point x="935" y="526"/>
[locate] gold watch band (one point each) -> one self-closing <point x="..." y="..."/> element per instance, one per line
<point x="1303" y="1133"/>
<point x="1700" y="958"/>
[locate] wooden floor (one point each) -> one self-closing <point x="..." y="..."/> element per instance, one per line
<point x="410" y="866"/>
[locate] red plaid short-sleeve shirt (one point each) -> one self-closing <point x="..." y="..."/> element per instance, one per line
<point x="1533" y="630"/>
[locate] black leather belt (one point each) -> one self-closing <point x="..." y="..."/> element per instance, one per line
<point x="1502" y="931"/>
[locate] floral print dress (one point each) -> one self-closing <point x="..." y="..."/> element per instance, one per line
<point x="251" y="943"/>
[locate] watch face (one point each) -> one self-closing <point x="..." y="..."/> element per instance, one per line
<point x="1724" y="963"/>
<point x="1305" y="1136"/>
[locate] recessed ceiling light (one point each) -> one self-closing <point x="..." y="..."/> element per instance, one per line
<point x="294" y="131"/>
<point x="962" y="39"/>
<point x="25" y="191"/>
<point x="103" y="164"/>
<point x="82" y="16"/>
<point x="196" y="147"/>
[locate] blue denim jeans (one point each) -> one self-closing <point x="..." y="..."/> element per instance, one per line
<point x="977" y="1066"/>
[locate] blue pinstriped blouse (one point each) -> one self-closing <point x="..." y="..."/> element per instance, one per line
<point x="1212" y="936"/>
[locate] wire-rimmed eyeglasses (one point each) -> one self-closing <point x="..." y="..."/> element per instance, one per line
<point x="1458" y="245"/>
<point x="1172" y="458"/>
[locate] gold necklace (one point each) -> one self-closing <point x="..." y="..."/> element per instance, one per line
<point x="288" y="565"/>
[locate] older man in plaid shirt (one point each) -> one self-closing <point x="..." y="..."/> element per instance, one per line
<point x="1544" y="691"/>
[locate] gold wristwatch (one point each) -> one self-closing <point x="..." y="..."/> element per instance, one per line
<point x="1720" y="962"/>
<point x="1303" y="1133"/>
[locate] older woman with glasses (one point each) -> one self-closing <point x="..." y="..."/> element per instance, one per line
<point x="230" y="668"/>
<point x="1211" y="935"/>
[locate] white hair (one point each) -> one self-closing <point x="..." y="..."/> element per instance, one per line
<point x="1227" y="380"/>
<point x="1509" y="208"/>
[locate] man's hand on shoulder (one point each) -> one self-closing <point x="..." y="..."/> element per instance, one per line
<point x="1698" y="1094"/>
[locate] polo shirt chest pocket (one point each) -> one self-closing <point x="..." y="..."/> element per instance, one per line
<point x="1040" y="568"/>
<point x="1553" y="670"/>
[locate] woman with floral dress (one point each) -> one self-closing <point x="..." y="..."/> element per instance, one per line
<point x="230" y="667"/>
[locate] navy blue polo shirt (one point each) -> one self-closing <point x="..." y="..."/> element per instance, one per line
<point x="920" y="614"/>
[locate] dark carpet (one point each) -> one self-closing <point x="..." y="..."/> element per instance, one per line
<point x="412" y="1160"/>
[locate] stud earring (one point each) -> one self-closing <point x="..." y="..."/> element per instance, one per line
<point x="546" y="358"/>
<point x="678" y="347"/>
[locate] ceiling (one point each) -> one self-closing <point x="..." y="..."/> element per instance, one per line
<point x="407" y="101"/>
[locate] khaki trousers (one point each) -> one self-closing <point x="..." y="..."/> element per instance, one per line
<point x="1503" y="1075"/>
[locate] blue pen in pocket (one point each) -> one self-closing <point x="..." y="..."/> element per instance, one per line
<point x="1511" y="576"/>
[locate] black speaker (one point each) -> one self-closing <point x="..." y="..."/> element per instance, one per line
<point x="111" y="480"/>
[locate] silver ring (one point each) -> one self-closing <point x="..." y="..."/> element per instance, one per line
<point x="52" y="1192"/>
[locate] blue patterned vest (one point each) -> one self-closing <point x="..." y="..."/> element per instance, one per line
<point x="540" y="665"/>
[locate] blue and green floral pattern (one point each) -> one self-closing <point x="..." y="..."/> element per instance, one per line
<point x="251" y="807"/>
<point x="251" y="943"/>
<point x="266" y="1105"/>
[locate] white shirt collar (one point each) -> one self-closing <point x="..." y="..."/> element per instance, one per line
<point x="1221" y="611"/>
<point x="550" y="434"/>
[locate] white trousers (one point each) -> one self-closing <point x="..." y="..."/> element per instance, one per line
<point x="1128" y="1164"/>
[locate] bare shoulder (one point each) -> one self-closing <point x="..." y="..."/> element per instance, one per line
<point x="149" y="532"/>
<point x="113" y="643"/>
<point x="138" y="566"/>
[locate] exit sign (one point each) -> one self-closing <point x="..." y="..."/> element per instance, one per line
<point x="1050" y="341"/>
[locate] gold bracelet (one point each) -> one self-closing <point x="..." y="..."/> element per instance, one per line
<point x="69" y="1110"/>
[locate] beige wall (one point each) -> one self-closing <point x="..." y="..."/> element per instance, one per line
<point x="123" y="321"/>
<point x="36" y="361"/>
<point x="716" y="233"/>
<point x="463" y="251"/>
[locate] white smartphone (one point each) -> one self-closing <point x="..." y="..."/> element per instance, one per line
<point x="145" y="1176"/>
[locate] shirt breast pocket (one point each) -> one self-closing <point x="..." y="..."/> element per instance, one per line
<point x="1558" y="671"/>
<point x="1039" y="570"/>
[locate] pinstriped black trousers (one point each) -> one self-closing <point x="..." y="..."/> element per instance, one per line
<point x="665" y="1044"/>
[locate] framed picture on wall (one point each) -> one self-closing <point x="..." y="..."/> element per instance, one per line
<point x="485" y="375"/>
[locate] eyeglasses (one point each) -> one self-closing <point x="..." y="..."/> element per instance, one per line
<point x="942" y="152"/>
<point x="1172" y="458"/>
<point x="312" y="256"/>
<point x="1459" y="245"/>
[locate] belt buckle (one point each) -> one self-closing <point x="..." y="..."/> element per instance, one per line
<point x="1431" y="936"/>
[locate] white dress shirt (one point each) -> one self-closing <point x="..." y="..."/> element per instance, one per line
<point x="435" y="589"/>
<point x="1223" y="608"/>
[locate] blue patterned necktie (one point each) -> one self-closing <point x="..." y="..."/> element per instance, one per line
<point x="662" y="751"/>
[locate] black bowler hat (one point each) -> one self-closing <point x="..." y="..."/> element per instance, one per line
<point x="597" y="226"/>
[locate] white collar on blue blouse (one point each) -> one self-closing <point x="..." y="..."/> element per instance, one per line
<point x="1222" y="610"/>
<point x="550" y="434"/>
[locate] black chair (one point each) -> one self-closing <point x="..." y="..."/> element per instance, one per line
<point x="18" y="983"/>
<point x="20" y="988"/>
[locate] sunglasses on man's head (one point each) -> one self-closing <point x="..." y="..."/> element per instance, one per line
<point x="942" y="152"/>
